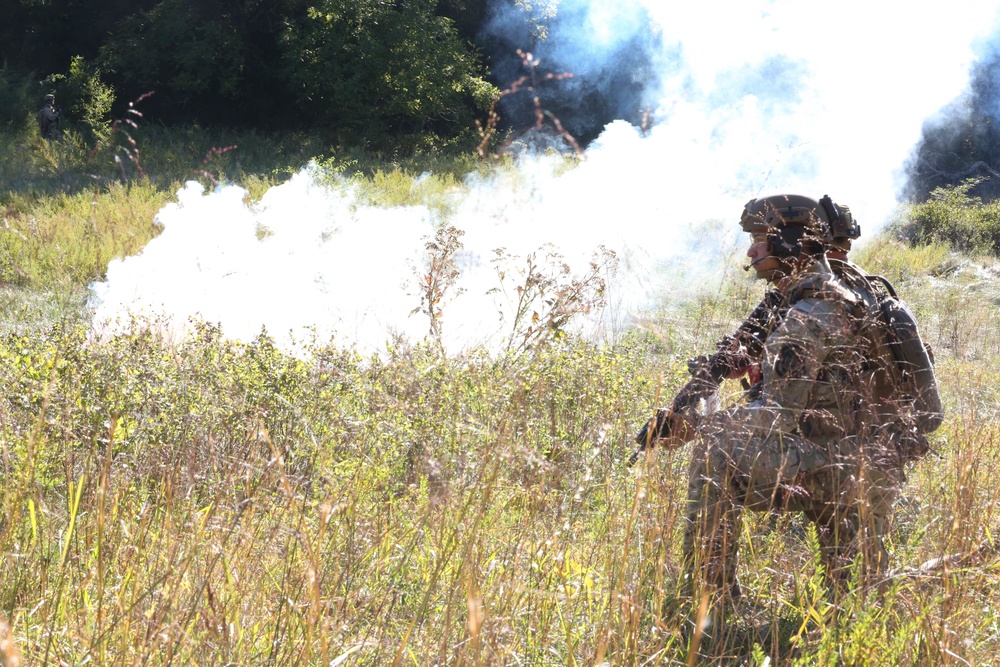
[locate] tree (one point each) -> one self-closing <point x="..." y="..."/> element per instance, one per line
<point x="88" y="98"/>
<point x="43" y="36"/>
<point x="381" y="65"/>
<point x="384" y="66"/>
<point x="208" y="60"/>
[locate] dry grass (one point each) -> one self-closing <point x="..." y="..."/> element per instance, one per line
<point x="215" y="503"/>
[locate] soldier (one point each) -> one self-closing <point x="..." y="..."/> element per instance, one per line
<point x="738" y="355"/>
<point x="812" y="439"/>
<point x="48" y="118"/>
<point x="843" y="230"/>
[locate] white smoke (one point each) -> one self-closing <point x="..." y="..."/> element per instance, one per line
<point x="754" y="98"/>
<point x="305" y="259"/>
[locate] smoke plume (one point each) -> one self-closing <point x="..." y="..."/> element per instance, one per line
<point x="963" y="140"/>
<point x="748" y="98"/>
<point x="613" y="50"/>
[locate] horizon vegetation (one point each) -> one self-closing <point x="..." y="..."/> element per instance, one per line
<point x="210" y="501"/>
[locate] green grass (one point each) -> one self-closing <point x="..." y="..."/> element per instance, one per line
<point x="898" y="262"/>
<point x="68" y="239"/>
<point x="236" y="504"/>
<point x="215" y="502"/>
<point x="66" y="208"/>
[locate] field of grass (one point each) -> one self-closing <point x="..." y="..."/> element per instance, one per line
<point x="211" y="502"/>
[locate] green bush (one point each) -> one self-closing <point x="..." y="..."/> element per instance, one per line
<point x="954" y="217"/>
<point x="417" y="71"/>
<point x="85" y="97"/>
<point x="17" y="97"/>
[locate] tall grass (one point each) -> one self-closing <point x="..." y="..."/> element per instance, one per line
<point x="68" y="239"/>
<point x="214" y="502"/>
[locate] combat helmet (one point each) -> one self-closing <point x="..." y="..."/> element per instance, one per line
<point x="794" y="224"/>
<point x="49" y="98"/>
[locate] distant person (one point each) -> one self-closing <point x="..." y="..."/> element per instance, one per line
<point x="48" y="118"/>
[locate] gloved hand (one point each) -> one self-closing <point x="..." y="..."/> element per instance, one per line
<point x="667" y="429"/>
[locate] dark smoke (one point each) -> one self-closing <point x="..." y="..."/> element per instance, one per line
<point x="963" y="141"/>
<point x="614" y="70"/>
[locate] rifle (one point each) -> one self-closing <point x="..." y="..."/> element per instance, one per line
<point x="707" y="372"/>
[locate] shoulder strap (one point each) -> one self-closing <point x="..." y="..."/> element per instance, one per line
<point x="885" y="283"/>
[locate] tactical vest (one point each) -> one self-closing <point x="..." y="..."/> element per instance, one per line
<point x="901" y="367"/>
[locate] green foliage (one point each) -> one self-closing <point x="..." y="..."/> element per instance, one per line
<point x="67" y="207"/>
<point x="86" y="99"/>
<point x="329" y="445"/>
<point x="17" y="98"/>
<point x="68" y="240"/>
<point x="396" y="187"/>
<point x="198" y="500"/>
<point x="469" y="16"/>
<point x="954" y="217"/>
<point x="416" y="71"/>
<point x="31" y="169"/>
<point x="538" y="14"/>
<point x="197" y="53"/>
<point x="346" y="70"/>
<point x="896" y="261"/>
<point x="338" y="67"/>
<point x="474" y="504"/>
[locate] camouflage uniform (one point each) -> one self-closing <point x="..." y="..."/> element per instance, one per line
<point x="800" y="445"/>
<point x="48" y="120"/>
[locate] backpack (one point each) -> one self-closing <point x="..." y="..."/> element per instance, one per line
<point x="903" y="385"/>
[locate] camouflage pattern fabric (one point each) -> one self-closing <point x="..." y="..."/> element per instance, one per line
<point x="800" y="446"/>
<point x="47" y="122"/>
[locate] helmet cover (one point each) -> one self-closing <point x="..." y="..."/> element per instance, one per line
<point x="793" y="223"/>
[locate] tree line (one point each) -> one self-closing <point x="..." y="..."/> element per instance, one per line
<point x="358" y="68"/>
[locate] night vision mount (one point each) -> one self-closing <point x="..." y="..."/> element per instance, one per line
<point x="842" y="223"/>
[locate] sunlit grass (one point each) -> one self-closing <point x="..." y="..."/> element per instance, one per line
<point x="214" y="502"/>
<point x="237" y="504"/>
<point x="897" y="261"/>
<point x="69" y="239"/>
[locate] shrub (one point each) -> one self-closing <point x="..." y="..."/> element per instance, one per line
<point x="87" y="98"/>
<point x="418" y="72"/>
<point x="953" y="216"/>
<point x="16" y="97"/>
<point x="889" y="257"/>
